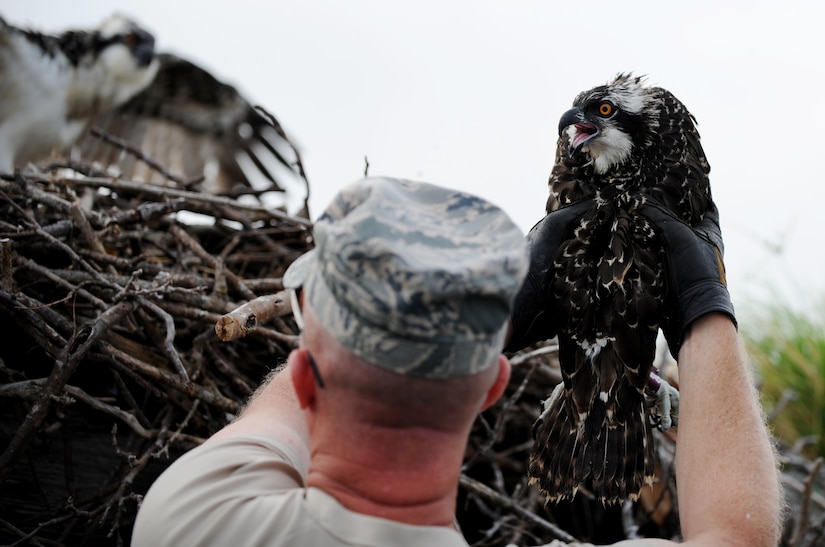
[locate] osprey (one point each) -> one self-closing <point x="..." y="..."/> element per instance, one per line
<point x="54" y="88"/>
<point x="621" y="145"/>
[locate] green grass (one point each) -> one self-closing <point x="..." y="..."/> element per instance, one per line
<point x="787" y="348"/>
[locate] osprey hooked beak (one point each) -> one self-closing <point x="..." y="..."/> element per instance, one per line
<point x="583" y="132"/>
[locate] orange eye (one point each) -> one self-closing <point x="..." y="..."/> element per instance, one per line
<point x="605" y="109"/>
<point x="130" y="39"/>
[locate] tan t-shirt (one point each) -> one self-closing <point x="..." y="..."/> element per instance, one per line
<point x="250" y="490"/>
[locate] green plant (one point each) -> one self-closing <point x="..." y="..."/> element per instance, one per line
<point x="787" y="348"/>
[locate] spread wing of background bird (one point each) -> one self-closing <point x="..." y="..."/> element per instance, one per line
<point x="137" y="105"/>
<point x="195" y="125"/>
<point x="621" y="144"/>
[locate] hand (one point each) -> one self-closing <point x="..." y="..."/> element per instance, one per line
<point x="695" y="271"/>
<point x="533" y="317"/>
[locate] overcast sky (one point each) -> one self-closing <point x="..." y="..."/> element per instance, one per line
<point x="468" y="94"/>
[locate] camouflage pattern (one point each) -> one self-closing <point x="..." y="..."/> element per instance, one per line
<point x="413" y="277"/>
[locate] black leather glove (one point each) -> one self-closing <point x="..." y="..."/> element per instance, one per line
<point x="695" y="271"/>
<point x="533" y="317"/>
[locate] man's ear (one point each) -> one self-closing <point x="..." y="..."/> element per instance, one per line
<point x="498" y="387"/>
<point x="303" y="379"/>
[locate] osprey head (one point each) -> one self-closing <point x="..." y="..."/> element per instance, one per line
<point x="118" y="32"/>
<point x="115" y="62"/>
<point x="609" y="121"/>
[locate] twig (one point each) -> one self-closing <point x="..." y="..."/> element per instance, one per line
<point x="240" y="321"/>
<point x="164" y="192"/>
<point x="802" y="525"/>
<point x="56" y="382"/>
<point x="169" y="380"/>
<point x="485" y="491"/>
<point x="186" y="239"/>
<point x="168" y="342"/>
<point x="6" y="278"/>
<point x="787" y="396"/>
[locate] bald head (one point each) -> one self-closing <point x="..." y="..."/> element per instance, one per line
<point x="356" y="389"/>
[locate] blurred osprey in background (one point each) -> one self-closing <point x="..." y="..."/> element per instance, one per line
<point x="54" y="88"/>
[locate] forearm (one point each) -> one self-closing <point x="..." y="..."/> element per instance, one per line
<point x="273" y="411"/>
<point x="725" y="464"/>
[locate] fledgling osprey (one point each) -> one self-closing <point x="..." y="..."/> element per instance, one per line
<point x="621" y="144"/>
<point x="53" y="88"/>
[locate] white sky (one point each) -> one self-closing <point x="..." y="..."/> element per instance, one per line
<point x="468" y="94"/>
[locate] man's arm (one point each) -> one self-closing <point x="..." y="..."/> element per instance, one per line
<point x="729" y="491"/>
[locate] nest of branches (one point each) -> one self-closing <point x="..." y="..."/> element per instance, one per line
<point x="110" y="364"/>
<point x="131" y="333"/>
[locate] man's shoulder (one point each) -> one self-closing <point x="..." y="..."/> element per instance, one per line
<point x="231" y="480"/>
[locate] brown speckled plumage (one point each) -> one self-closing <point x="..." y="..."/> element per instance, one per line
<point x="620" y="144"/>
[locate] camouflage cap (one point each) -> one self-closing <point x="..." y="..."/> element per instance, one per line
<point x="413" y="277"/>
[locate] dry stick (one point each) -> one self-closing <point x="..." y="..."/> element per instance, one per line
<point x="126" y="417"/>
<point x="56" y="382"/>
<point x="28" y="538"/>
<point x="522" y="358"/>
<point x="476" y="487"/>
<point x="170" y="380"/>
<point x="142" y="213"/>
<point x="61" y="282"/>
<point x="163" y="192"/>
<point x="37" y="195"/>
<point x="790" y="482"/>
<point x="147" y="211"/>
<point x="168" y="345"/>
<point x="80" y="220"/>
<point x="31" y="389"/>
<point x="220" y="272"/>
<point x="44" y="334"/>
<point x="240" y="321"/>
<point x="66" y="249"/>
<point x="806" y="503"/>
<point x="181" y="288"/>
<point x="787" y="396"/>
<point x="6" y="278"/>
<point x="184" y="310"/>
<point x="130" y="399"/>
<point x="186" y="239"/>
<point x="165" y="448"/>
<point x="265" y="284"/>
<point x="91" y="238"/>
<point x="136" y="467"/>
<point x="228" y="369"/>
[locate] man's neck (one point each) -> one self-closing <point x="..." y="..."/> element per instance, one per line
<point x="412" y="478"/>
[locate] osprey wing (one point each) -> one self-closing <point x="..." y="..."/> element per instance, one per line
<point x="195" y="126"/>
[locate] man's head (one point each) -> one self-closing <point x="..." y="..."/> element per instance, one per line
<point x="413" y="278"/>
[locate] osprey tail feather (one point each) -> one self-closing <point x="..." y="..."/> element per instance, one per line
<point x="606" y="449"/>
